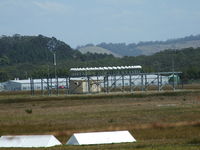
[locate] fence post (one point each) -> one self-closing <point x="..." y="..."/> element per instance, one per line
<point x="57" y="92"/>
<point x="142" y="82"/>
<point x="32" y="86"/>
<point x="42" y="90"/>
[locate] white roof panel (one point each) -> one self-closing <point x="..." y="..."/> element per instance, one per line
<point x="95" y="68"/>
<point x="82" y="69"/>
<point x="126" y="67"/>
<point x="100" y="138"/>
<point x="105" y="68"/>
<point x="101" y="68"/>
<point x="137" y="67"/>
<point x="29" y="141"/>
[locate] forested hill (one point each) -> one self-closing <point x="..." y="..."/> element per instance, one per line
<point x="25" y="56"/>
<point x="151" y="47"/>
<point x="32" y="49"/>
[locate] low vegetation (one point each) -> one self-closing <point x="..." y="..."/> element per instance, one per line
<point x="158" y="120"/>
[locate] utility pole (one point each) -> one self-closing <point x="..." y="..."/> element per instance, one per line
<point x="52" y="44"/>
<point x="54" y="60"/>
<point x="173" y="70"/>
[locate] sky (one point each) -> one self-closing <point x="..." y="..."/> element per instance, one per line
<point x="79" y="22"/>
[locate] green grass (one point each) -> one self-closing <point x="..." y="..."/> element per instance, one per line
<point x="158" y="120"/>
<point x="27" y="98"/>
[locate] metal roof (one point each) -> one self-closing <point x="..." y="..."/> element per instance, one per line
<point x="105" y="68"/>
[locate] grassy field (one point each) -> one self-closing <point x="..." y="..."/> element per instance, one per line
<point x="158" y="120"/>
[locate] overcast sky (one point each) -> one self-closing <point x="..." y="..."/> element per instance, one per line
<point x="78" y="22"/>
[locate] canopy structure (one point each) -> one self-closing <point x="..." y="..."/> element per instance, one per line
<point x="91" y="71"/>
<point x="106" y="68"/>
<point x="100" y="138"/>
<point x="29" y="141"/>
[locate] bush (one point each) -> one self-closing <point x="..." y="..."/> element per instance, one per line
<point x="194" y="141"/>
<point x="28" y="111"/>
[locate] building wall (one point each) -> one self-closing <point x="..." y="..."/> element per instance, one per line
<point x="24" y="85"/>
<point x="94" y="87"/>
<point x="76" y="86"/>
<point x="81" y="86"/>
<point x="1" y="87"/>
<point x="12" y="86"/>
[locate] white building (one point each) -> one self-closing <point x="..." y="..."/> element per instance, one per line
<point x="137" y="80"/>
<point x="80" y="85"/>
<point x="36" y="84"/>
<point x="1" y="87"/>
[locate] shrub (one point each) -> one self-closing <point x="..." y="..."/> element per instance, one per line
<point x="194" y="141"/>
<point x="28" y="111"/>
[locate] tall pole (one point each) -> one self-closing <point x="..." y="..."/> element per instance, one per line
<point x="54" y="60"/>
<point x="48" y="74"/>
<point x="173" y="71"/>
<point x="130" y="83"/>
<point x="55" y="71"/>
<point x="52" y="44"/>
<point x="142" y="82"/>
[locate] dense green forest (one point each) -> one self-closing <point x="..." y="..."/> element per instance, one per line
<point x="32" y="56"/>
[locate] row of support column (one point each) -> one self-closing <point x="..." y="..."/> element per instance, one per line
<point x="47" y="86"/>
<point x="144" y="82"/>
<point x="107" y="82"/>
